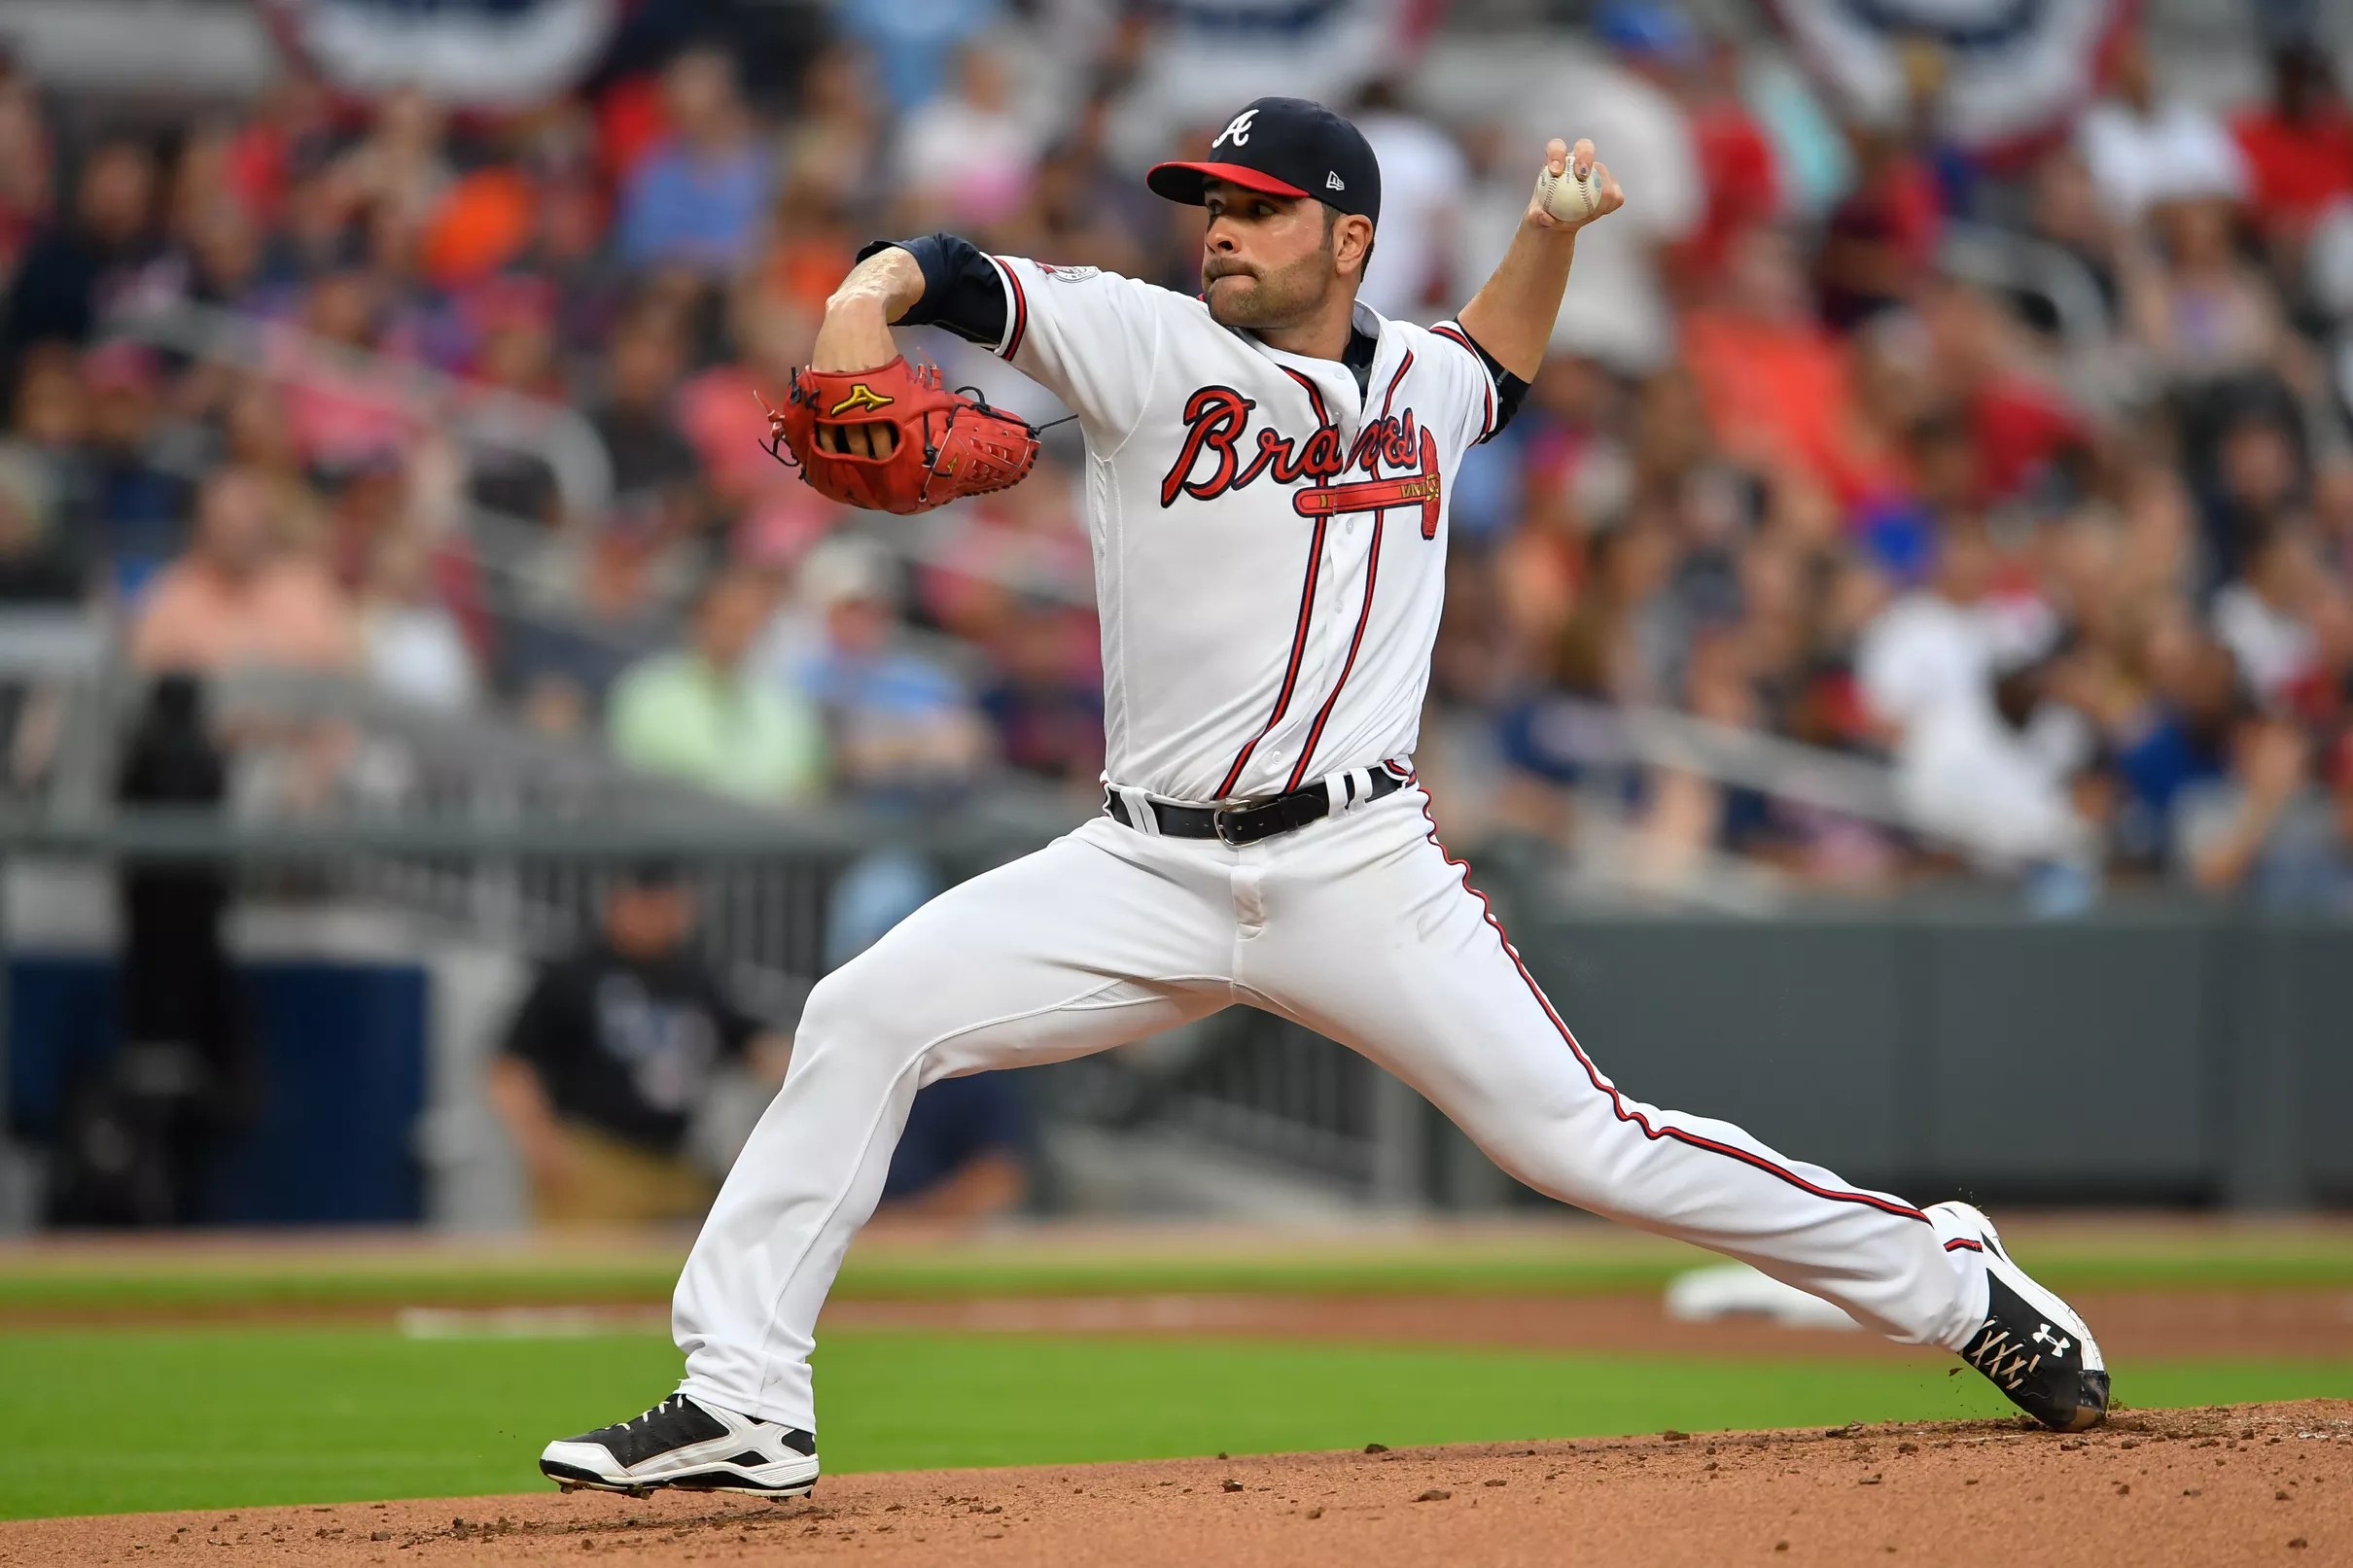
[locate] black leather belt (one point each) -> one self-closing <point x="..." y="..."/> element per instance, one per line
<point x="1250" y="822"/>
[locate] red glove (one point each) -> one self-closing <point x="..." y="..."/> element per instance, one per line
<point x="893" y="439"/>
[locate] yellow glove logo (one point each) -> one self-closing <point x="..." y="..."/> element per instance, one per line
<point x="860" y="397"/>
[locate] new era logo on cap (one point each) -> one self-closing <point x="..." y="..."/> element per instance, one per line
<point x="1283" y="146"/>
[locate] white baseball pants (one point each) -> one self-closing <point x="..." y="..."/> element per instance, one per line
<point x="1358" y="926"/>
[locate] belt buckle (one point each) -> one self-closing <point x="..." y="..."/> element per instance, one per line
<point x="1222" y="815"/>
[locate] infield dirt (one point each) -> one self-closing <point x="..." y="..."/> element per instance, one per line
<point x="2209" y="1488"/>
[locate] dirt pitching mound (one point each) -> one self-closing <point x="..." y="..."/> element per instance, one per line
<point x="2268" y="1484"/>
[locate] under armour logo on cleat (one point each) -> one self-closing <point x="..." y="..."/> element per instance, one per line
<point x="1332" y="181"/>
<point x="2058" y="1343"/>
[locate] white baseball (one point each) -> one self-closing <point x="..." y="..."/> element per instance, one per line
<point x="1569" y="199"/>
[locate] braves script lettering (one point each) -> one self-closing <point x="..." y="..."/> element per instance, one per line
<point x="1210" y="461"/>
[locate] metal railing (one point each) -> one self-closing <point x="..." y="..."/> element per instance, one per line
<point x="2101" y="370"/>
<point x="432" y="761"/>
<point x="454" y="819"/>
<point x="1610" y="737"/>
<point x="515" y="835"/>
<point x="56" y="738"/>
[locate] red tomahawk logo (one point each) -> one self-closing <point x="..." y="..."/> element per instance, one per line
<point x="1376" y="495"/>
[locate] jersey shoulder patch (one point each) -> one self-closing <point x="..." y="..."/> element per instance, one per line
<point x="1068" y="275"/>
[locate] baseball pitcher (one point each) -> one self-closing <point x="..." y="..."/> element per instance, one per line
<point x="1267" y="476"/>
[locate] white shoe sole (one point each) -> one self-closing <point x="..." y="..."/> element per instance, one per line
<point x="573" y="1465"/>
<point x="2037" y="1296"/>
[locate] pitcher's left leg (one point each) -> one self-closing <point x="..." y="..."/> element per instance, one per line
<point x="1373" y="938"/>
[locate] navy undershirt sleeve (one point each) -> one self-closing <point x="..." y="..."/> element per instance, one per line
<point x="1509" y="388"/>
<point x="962" y="291"/>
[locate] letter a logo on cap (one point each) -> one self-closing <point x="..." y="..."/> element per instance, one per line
<point x="1237" y="130"/>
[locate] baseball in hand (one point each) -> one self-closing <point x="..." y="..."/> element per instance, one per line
<point x="1568" y="198"/>
<point x="1573" y="188"/>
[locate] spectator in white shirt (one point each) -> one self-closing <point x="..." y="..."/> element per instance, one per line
<point x="1949" y="641"/>
<point x="2144" y="151"/>
<point x="1927" y="667"/>
<point x="1411" y="272"/>
<point x="2264" y="617"/>
<point x="414" y="647"/>
<point x="967" y="156"/>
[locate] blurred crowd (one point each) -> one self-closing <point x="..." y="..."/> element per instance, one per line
<point x="2021" y="469"/>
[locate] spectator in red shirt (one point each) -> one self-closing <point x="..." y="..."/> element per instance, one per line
<point x="1881" y="239"/>
<point x="775" y="517"/>
<point x="1735" y="160"/>
<point x="1775" y="384"/>
<point x="28" y="169"/>
<point x="2019" y="424"/>
<point x="240" y="596"/>
<point x="286" y="137"/>
<point x="339" y="425"/>
<point x="2300" y="146"/>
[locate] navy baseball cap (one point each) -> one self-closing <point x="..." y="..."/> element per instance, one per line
<point x="1283" y="146"/>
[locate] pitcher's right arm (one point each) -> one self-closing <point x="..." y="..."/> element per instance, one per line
<point x="1090" y="338"/>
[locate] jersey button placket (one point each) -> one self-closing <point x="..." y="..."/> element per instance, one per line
<point x="1342" y="577"/>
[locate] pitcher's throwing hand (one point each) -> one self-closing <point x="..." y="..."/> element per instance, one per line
<point x="1573" y="188"/>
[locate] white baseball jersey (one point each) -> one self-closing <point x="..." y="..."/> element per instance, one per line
<point x="1270" y="544"/>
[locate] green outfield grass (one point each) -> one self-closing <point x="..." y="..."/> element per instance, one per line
<point x="245" y="1416"/>
<point x="1572" y="1263"/>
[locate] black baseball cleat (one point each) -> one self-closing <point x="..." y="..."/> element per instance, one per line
<point x="2032" y="1345"/>
<point x="691" y="1446"/>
